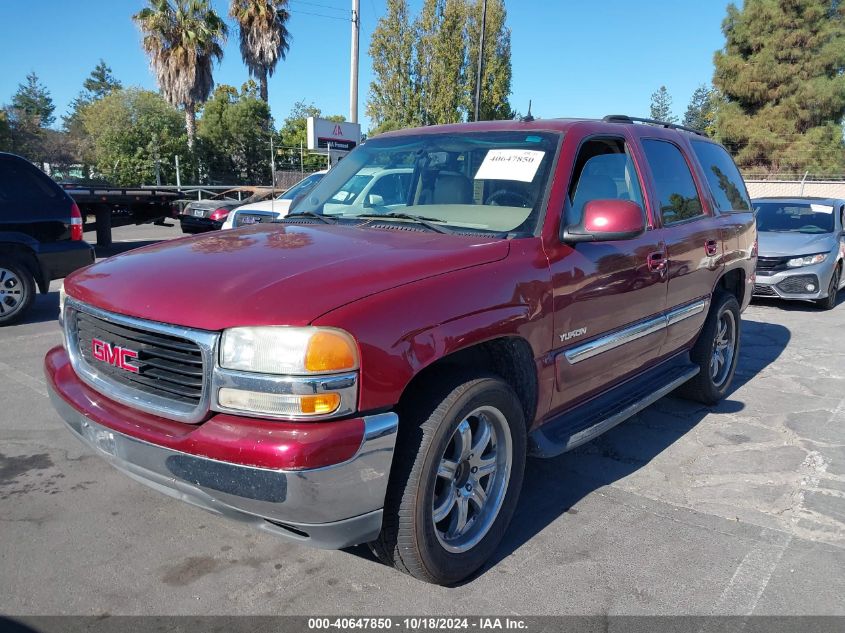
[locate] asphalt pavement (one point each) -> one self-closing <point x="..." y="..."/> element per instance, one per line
<point x="683" y="509"/>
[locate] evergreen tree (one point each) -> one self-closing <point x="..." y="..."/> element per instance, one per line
<point x="496" y="66"/>
<point x="440" y="61"/>
<point x="701" y="111"/>
<point x="392" y="49"/>
<point x="33" y="103"/>
<point x="782" y="76"/>
<point x="661" y="106"/>
<point x="101" y="82"/>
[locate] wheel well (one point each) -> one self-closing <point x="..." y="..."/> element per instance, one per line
<point x="733" y="282"/>
<point x="27" y="257"/>
<point x="510" y="358"/>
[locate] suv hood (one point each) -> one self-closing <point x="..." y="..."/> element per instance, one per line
<point x="271" y="274"/>
<point x="774" y="244"/>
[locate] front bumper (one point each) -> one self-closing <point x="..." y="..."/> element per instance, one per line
<point x="791" y="284"/>
<point x="191" y="224"/>
<point x="330" y="507"/>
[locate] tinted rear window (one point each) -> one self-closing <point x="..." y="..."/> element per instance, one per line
<point x="722" y="176"/>
<point x="676" y="189"/>
<point x="21" y="183"/>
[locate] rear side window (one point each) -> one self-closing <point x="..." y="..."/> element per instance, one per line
<point x="20" y="182"/>
<point x="676" y="192"/>
<point x="723" y="177"/>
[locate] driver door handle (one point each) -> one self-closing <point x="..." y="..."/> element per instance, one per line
<point x="658" y="262"/>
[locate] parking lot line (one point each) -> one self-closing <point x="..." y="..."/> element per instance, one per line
<point x="23" y="379"/>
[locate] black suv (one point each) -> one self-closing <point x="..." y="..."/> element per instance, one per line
<point x="40" y="235"/>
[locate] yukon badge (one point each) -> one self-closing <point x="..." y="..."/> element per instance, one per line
<point x="581" y="331"/>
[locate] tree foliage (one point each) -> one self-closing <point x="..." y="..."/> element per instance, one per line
<point x="440" y="62"/>
<point x="233" y="138"/>
<point x="391" y="49"/>
<point x="661" y="106"/>
<point x="293" y="135"/>
<point x="496" y="61"/>
<point x="425" y="68"/>
<point x="183" y="40"/>
<point x="701" y="111"/>
<point x="133" y="130"/>
<point x="99" y="84"/>
<point x="264" y="36"/>
<point x="782" y="76"/>
<point x="33" y="103"/>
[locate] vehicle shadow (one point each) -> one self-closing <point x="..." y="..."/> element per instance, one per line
<point x="553" y="486"/>
<point x="45" y="308"/>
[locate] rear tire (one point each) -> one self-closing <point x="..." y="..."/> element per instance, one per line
<point x="456" y="478"/>
<point x="829" y="302"/>
<point x="17" y="290"/>
<point x="715" y="352"/>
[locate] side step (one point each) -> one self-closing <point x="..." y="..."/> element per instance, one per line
<point x="594" y="417"/>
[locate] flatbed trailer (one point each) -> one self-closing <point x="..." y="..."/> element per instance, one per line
<point x="103" y="208"/>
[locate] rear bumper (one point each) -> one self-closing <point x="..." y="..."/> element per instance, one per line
<point x="330" y="507"/>
<point x="191" y="224"/>
<point x="59" y="259"/>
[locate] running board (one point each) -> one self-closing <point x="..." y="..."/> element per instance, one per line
<point x="594" y="417"/>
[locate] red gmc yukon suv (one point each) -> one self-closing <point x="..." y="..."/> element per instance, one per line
<point x="375" y="369"/>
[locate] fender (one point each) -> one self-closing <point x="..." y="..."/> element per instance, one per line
<point x="399" y="334"/>
<point x="15" y="240"/>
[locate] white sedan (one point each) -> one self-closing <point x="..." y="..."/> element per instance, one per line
<point x="274" y="209"/>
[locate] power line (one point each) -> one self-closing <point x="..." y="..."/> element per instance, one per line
<point x="319" y="15"/>
<point x="321" y="6"/>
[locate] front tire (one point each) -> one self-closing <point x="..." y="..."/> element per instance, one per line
<point x="457" y="474"/>
<point x="829" y="302"/>
<point x="17" y="290"/>
<point x="715" y="352"/>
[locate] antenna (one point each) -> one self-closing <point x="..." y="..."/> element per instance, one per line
<point x="528" y="117"/>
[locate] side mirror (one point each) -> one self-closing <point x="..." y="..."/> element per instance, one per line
<point x="607" y="220"/>
<point x="374" y="200"/>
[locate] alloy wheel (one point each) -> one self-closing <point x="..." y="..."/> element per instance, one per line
<point x="12" y="293"/>
<point x="724" y="348"/>
<point x="472" y="479"/>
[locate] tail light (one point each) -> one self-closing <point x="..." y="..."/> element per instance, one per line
<point x="219" y="214"/>
<point x="75" y="223"/>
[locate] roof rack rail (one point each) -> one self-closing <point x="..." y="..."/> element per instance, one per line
<point x="623" y="118"/>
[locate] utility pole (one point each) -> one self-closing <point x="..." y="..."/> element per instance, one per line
<point x="480" y="58"/>
<point x="353" y="69"/>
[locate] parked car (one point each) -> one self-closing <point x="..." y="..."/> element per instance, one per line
<point x="40" y="236"/>
<point x="200" y="216"/>
<point x="380" y="377"/>
<point x="801" y="249"/>
<point x="273" y="209"/>
<point x="377" y="188"/>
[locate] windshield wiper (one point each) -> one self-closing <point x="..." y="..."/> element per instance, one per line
<point x="308" y="214"/>
<point x="419" y="219"/>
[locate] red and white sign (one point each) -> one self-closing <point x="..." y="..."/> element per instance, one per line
<point x="324" y="134"/>
<point x="114" y="355"/>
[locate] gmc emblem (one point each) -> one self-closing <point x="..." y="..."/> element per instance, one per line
<point x="114" y="355"/>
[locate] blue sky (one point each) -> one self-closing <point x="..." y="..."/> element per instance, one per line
<point x="571" y="58"/>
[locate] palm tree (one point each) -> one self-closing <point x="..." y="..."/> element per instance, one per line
<point x="183" y="40"/>
<point x="264" y="36"/>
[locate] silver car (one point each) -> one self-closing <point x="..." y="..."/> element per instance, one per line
<point x="801" y="249"/>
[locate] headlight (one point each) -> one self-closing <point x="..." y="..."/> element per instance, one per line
<point x="288" y="350"/>
<point x="806" y="260"/>
<point x="287" y="372"/>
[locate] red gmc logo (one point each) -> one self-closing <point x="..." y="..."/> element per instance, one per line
<point x="114" y="355"/>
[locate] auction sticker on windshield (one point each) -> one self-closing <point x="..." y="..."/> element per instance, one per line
<point x="821" y="208"/>
<point x="510" y="164"/>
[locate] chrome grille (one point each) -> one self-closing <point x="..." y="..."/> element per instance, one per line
<point x="174" y="364"/>
<point x="167" y="365"/>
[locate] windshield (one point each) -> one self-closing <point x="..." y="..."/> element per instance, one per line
<point x="491" y="182"/>
<point x="303" y="185"/>
<point x="793" y="217"/>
